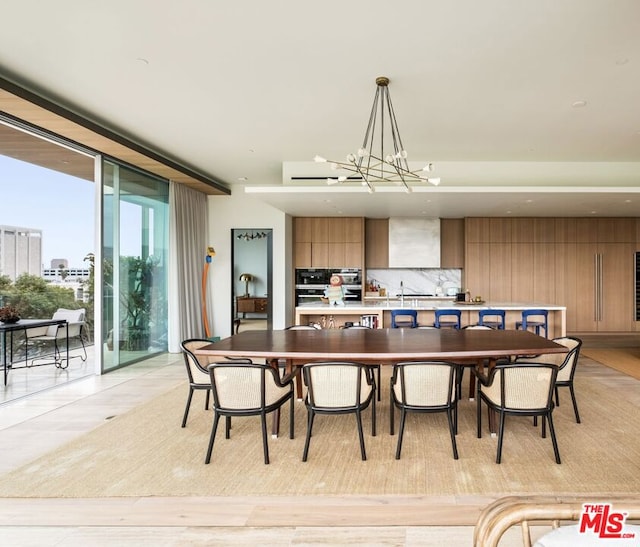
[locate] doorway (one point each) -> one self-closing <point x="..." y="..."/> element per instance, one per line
<point x="251" y="279"/>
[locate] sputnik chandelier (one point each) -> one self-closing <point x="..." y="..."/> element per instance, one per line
<point x="388" y="164"/>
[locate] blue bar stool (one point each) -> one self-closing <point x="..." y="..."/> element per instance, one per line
<point x="495" y="323"/>
<point x="439" y="323"/>
<point x="411" y="322"/>
<point x="538" y="322"/>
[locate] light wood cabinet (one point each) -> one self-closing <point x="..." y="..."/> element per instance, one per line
<point x="328" y="242"/>
<point x="476" y="272"/>
<point x="376" y="248"/>
<point x="585" y="264"/>
<point x="452" y="243"/>
<point x="302" y="230"/>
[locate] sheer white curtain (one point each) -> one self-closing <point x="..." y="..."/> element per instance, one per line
<point x="188" y="234"/>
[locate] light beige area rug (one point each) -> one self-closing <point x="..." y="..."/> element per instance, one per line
<point x="145" y="452"/>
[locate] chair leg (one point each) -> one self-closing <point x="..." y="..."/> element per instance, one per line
<point x="544" y="427"/>
<point x="557" y="395"/>
<point x="214" y="428"/>
<point x="227" y="427"/>
<point x="186" y="408"/>
<point x="392" y="417"/>
<point x="453" y="435"/>
<point x="305" y="453"/>
<point x="206" y="400"/>
<point x="479" y="415"/>
<point x="265" y="444"/>
<point x="455" y="417"/>
<point x="553" y="438"/>
<point x="575" y="404"/>
<point x="373" y="416"/>
<point x="84" y="349"/>
<point x="403" y="415"/>
<point x="500" y="435"/>
<point x="361" y="434"/>
<point x="291" y="414"/>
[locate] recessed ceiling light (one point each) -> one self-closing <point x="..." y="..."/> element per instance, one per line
<point x="579" y="104"/>
<point x="243" y="179"/>
<point x="142" y="60"/>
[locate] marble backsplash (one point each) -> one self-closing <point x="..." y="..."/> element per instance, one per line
<point x="435" y="281"/>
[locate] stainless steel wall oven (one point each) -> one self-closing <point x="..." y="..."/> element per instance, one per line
<point x="312" y="282"/>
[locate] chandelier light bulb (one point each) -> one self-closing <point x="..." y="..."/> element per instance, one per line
<point x="435" y="181"/>
<point x="334" y="166"/>
<point x="351" y="158"/>
<point x="428" y="167"/>
<point x="319" y="159"/>
<point x="362" y="152"/>
<point x="389" y="159"/>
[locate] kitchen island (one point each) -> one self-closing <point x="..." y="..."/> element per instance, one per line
<point x="379" y="313"/>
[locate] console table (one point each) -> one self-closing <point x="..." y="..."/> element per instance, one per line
<point x="250" y="304"/>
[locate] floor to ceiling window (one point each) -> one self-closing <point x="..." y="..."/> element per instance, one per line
<point x="134" y="265"/>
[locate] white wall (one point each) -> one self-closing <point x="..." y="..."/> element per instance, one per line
<point x="242" y="211"/>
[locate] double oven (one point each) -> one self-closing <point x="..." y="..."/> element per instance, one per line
<point x="312" y="282"/>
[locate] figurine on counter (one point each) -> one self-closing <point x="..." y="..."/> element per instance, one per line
<point x="335" y="291"/>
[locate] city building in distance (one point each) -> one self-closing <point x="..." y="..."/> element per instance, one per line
<point x="20" y="251"/>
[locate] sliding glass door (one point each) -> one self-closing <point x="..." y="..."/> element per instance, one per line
<point x="134" y="265"/>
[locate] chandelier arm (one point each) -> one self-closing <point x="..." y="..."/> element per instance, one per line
<point x="365" y="179"/>
<point x="397" y="139"/>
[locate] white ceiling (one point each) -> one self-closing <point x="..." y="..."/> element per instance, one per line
<point x="484" y="90"/>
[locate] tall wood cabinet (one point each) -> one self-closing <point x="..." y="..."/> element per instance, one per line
<point x="585" y="264"/>
<point x="328" y="242"/>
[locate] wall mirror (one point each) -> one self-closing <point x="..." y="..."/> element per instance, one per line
<point x="251" y="279"/>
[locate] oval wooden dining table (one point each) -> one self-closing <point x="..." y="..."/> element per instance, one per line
<point x="384" y="346"/>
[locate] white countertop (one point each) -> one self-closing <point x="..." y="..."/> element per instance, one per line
<point x="418" y="304"/>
